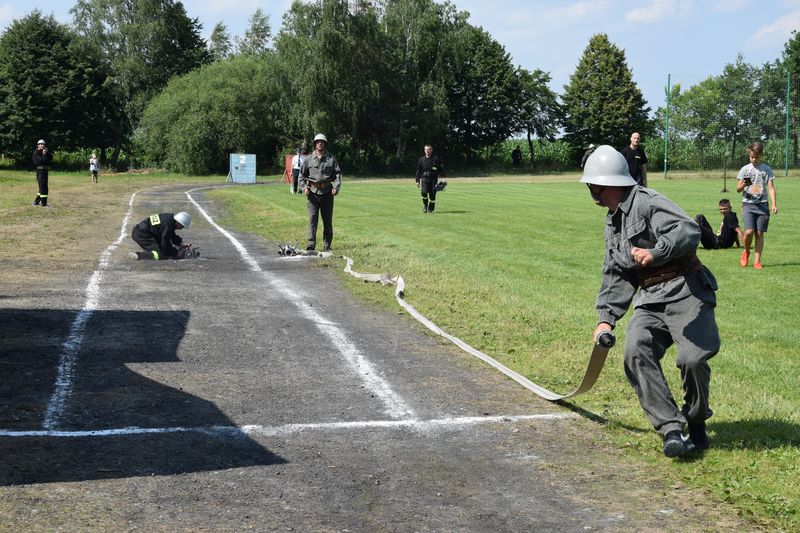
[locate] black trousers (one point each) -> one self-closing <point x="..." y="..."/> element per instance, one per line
<point x="295" y="177"/>
<point x="41" y="179"/>
<point x="427" y="188"/>
<point x="320" y="204"/>
<point x="708" y="238"/>
<point x="148" y="242"/>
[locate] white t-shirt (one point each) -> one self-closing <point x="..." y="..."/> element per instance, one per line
<point x="760" y="176"/>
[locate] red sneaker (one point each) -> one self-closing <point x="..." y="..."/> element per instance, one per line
<point x="745" y="258"/>
<point x="758" y="266"/>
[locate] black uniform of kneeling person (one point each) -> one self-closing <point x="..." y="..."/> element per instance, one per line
<point x="156" y="234"/>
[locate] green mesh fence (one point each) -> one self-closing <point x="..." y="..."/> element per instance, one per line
<point x="711" y="121"/>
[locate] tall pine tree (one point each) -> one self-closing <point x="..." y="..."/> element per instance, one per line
<point x="603" y="104"/>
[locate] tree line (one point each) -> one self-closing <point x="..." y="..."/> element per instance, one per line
<point x="380" y="78"/>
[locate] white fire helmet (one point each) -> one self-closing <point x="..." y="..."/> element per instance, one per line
<point x="607" y="167"/>
<point x="184" y="219"/>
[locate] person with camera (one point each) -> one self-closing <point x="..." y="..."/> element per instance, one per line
<point x="42" y="157"/>
<point x="756" y="182"/>
<point x="429" y="168"/>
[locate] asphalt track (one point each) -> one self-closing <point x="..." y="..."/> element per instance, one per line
<point x="243" y="391"/>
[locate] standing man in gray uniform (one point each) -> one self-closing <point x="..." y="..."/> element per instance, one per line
<point x="650" y="261"/>
<point x="320" y="180"/>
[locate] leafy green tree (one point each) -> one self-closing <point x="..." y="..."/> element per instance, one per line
<point x="219" y="44"/>
<point x="601" y="100"/>
<point x="331" y="63"/>
<point x="483" y="94"/>
<point x="229" y="106"/>
<point x="256" y="37"/>
<point x="145" y="43"/>
<point x="421" y="36"/>
<point x="539" y="113"/>
<point x="54" y="86"/>
<point x="791" y="55"/>
<point x="738" y="86"/>
<point x="791" y="61"/>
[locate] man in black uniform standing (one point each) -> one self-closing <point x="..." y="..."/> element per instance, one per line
<point x="156" y="234"/>
<point x="637" y="160"/>
<point x="42" y="157"/>
<point x="429" y="168"/>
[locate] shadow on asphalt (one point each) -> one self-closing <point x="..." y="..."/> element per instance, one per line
<point x="107" y="395"/>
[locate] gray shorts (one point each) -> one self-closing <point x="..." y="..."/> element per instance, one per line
<point x="755" y="216"/>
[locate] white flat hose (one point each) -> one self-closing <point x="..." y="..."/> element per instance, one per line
<point x="595" y="365"/>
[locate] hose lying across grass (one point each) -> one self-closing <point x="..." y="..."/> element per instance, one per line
<point x="595" y="365"/>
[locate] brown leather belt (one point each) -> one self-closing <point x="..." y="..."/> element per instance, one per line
<point x="319" y="185"/>
<point x="649" y="277"/>
<point x="42" y="168"/>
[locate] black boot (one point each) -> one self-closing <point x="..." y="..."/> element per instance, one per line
<point x="698" y="436"/>
<point x="431" y="205"/>
<point x="674" y="445"/>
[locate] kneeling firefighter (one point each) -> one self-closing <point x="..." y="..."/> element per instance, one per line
<point x="156" y="234"/>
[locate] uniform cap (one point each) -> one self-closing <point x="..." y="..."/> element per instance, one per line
<point x="320" y="137"/>
<point x="41" y="141"/>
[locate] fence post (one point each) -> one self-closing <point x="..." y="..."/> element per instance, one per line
<point x="788" y="106"/>
<point x="666" y="130"/>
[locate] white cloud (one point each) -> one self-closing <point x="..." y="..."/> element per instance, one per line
<point x="657" y="10"/>
<point x="778" y="32"/>
<point x="7" y="13"/>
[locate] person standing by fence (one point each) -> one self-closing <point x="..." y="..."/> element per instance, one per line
<point x="756" y="182"/>
<point x="637" y="160"/>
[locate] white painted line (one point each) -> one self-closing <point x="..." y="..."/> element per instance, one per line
<point x="288" y="429"/>
<point x="69" y="352"/>
<point x="395" y="406"/>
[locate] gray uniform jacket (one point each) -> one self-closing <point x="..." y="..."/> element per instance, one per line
<point x="648" y="220"/>
<point x="323" y="171"/>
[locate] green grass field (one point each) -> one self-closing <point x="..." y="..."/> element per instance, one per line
<point x="512" y="266"/>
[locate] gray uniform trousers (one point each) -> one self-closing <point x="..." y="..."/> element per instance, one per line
<point x="688" y="323"/>
<point x="320" y="204"/>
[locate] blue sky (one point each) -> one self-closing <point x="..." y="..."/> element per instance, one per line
<point x="689" y="39"/>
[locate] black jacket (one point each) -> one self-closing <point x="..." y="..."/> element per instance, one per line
<point x="162" y="228"/>
<point x="42" y="160"/>
<point x="429" y="168"/>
